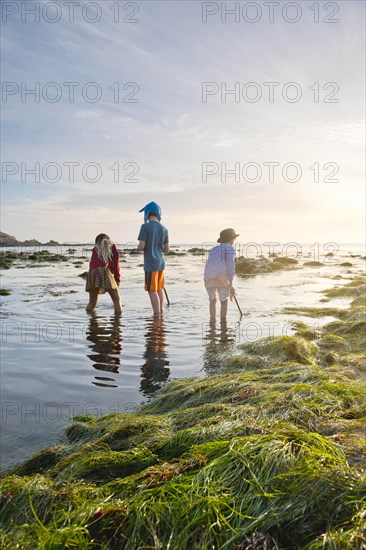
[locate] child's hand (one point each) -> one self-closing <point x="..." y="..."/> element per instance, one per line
<point x="232" y="293"/>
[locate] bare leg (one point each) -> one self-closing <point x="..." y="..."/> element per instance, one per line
<point x="212" y="310"/>
<point x="161" y="299"/>
<point x="223" y="310"/>
<point x="114" y="294"/>
<point x="155" y="302"/>
<point x="93" y="300"/>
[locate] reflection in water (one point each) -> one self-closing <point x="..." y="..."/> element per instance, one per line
<point x="154" y="371"/>
<point x="221" y="339"/>
<point x="106" y="343"/>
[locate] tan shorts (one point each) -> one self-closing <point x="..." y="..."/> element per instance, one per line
<point x="223" y="293"/>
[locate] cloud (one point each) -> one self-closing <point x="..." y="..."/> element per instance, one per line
<point x="169" y="132"/>
<point x="87" y="114"/>
<point x="226" y="141"/>
<point x="70" y="45"/>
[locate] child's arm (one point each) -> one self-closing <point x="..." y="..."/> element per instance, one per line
<point x="230" y="269"/>
<point x="92" y="258"/>
<point x="116" y="268"/>
<point x="166" y="247"/>
<point x="142" y="237"/>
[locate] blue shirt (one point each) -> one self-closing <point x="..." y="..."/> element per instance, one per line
<point x="155" y="236"/>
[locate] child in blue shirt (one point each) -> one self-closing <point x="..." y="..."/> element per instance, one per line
<point x="154" y="241"/>
<point x="220" y="271"/>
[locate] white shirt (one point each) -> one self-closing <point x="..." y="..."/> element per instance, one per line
<point x="220" y="264"/>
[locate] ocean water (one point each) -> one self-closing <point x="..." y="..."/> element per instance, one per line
<point x="58" y="362"/>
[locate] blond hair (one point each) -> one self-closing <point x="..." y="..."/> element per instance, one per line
<point x="103" y="247"/>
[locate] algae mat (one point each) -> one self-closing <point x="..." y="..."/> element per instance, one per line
<point x="269" y="454"/>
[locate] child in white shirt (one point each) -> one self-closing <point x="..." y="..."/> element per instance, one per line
<point x="220" y="271"/>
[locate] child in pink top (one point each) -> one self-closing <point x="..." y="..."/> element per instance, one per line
<point x="104" y="273"/>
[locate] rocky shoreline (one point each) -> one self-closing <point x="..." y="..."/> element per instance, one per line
<point x="243" y="265"/>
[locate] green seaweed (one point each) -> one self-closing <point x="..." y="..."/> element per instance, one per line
<point x="303" y="331"/>
<point x="284" y="348"/>
<point x="313" y="311"/>
<point x="270" y="453"/>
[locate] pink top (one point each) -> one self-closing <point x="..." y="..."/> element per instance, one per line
<point x="113" y="264"/>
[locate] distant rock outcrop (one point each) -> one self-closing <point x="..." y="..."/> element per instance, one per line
<point x="9" y="240"/>
<point x="6" y="239"/>
<point x="31" y="242"/>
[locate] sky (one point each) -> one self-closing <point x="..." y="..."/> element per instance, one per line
<point x="252" y="119"/>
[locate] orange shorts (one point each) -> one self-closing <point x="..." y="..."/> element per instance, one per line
<point x="154" y="280"/>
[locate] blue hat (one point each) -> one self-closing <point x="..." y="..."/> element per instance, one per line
<point x="152" y="208"/>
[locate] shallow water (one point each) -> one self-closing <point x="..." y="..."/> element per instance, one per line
<point x="58" y="362"/>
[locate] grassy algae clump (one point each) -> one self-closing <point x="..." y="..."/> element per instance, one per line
<point x="268" y="454"/>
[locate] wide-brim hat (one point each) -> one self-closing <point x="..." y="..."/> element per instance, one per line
<point x="227" y="235"/>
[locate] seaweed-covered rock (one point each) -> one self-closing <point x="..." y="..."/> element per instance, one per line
<point x="5" y="291"/>
<point x="284" y="348"/>
<point x="58" y="258"/>
<point x="6" y="261"/>
<point x="196" y="251"/>
<point x="285" y="260"/>
<point x="175" y="253"/>
<point x="276" y="266"/>
<point x="332" y="341"/>
<point x="249" y="266"/>
<point x="265" y="267"/>
<point x="11" y="255"/>
<point x="41" y="462"/>
<point x="244" y="267"/>
<point x="313" y="264"/>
